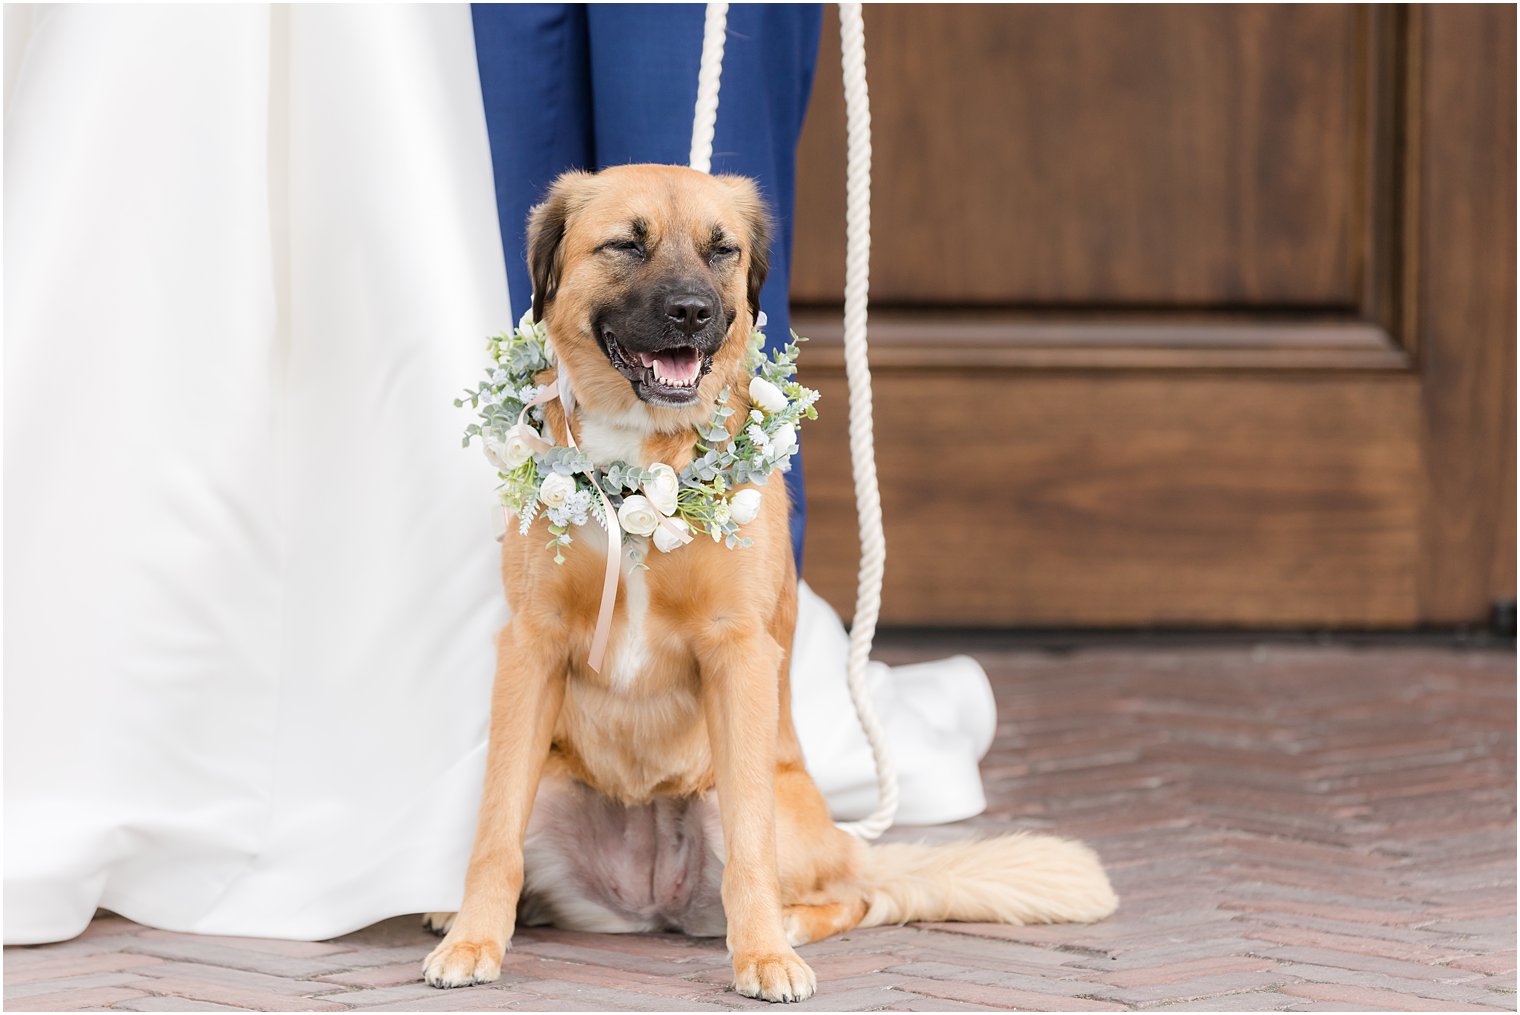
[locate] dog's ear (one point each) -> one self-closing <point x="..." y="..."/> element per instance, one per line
<point x="757" y="221"/>
<point x="759" y="258"/>
<point x="546" y="233"/>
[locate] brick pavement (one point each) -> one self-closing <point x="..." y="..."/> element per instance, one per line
<point x="1291" y="827"/>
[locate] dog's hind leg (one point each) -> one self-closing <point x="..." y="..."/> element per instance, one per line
<point x="820" y="864"/>
<point x="807" y="923"/>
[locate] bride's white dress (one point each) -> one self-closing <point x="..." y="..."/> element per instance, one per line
<point x="250" y="257"/>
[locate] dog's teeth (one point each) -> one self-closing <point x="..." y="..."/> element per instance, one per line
<point x="665" y="378"/>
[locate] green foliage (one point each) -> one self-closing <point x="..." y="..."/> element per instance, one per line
<point x="760" y="444"/>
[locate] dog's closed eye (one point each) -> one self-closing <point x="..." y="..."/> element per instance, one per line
<point x="633" y="247"/>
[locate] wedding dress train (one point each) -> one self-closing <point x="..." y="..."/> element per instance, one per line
<point x="250" y="257"/>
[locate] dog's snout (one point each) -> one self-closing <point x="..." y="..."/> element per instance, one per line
<point x="689" y="311"/>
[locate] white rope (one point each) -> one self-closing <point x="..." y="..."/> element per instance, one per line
<point x="704" y="120"/>
<point x="873" y="543"/>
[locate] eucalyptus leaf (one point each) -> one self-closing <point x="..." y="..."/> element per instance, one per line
<point x="722" y="460"/>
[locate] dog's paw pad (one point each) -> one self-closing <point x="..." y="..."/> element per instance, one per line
<point x="783" y="977"/>
<point x="462" y="963"/>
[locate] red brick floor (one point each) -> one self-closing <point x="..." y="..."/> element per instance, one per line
<point x="1291" y="827"/>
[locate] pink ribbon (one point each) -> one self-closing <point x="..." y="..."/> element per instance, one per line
<point x="614" y="532"/>
<point x="561" y="390"/>
<point x="679" y="534"/>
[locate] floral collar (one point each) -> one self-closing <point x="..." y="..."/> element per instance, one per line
<point x="563" y="484"/>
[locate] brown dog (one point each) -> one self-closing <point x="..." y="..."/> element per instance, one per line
<point x="668" y="791"/>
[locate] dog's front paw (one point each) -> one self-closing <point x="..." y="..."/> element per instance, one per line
<point x="439" y="923"/>
<point x="779" y="977"/>
<point x="462" y="963"/>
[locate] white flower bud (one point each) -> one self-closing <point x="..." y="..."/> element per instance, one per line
<point x="662" y="489"/>
<point x="556" y="489"/>
<point x="745" y="505"/>
<point x="784" y="440"/>
<point x="508" y="454"/>
<point x="766" y="395"/>
<point x="637" y="516"/>
<point x="666" y="540"/>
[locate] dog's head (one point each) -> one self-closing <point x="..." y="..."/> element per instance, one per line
<point x="648" y="278"/>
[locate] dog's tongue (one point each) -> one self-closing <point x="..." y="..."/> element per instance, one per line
<point x="676" y="366"/>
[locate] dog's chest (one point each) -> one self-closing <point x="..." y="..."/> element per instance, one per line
<point x="631" y="655"/>
<point x="636" y="726"/>
<point x="641" y="645"/>
<point x="607" y="442"/>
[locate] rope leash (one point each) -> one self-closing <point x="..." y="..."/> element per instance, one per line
<point x="704" y="121"/>
<point x="873" y="543"/>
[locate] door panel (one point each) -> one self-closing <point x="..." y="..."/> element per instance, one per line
<point x="1180" y="315"/>
<point x="1177" y="156"/>
<point x="1233" y="500"/>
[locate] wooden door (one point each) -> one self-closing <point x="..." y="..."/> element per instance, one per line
<point x="1181" y="315"/>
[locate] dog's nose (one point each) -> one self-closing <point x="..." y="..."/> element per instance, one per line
<point x="689" y="311"/>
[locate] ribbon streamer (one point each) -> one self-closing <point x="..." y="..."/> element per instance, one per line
<point x="561" y="390"/>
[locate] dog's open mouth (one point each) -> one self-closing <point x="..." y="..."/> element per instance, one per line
<point x="665" y="376"/>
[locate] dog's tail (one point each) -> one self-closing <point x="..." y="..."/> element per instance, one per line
<point x="1016" y="879"/>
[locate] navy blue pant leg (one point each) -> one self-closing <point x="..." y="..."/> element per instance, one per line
<point x="638" y="73"/>
<point x="535" y="79"/>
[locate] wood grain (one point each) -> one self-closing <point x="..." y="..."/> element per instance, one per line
<point x="1128" y="500"/>
<point x="1467" y="310"/>
<point x="1198" y="155"/>
<point x="1181" y="315"/>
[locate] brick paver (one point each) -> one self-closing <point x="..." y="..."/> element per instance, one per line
<point x="1290" y="827"/>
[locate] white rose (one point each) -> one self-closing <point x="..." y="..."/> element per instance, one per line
<point x="766" y="395"/>
<point x="495" y="453"/>
<point x="508" y="454"/>
<point x="745" y="505"/>
<point x="556" y="489"/>
<point x="784" y="440"/>
<point x="665" y="540"/>
<point x="637" y="515"/>
<point x="662" y="489"/>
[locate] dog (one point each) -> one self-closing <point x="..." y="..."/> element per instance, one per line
<point x="668" y="791"/>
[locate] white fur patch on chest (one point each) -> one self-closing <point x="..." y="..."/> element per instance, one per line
<point x="609" y="441"/>
<point x="631" y="657"/>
